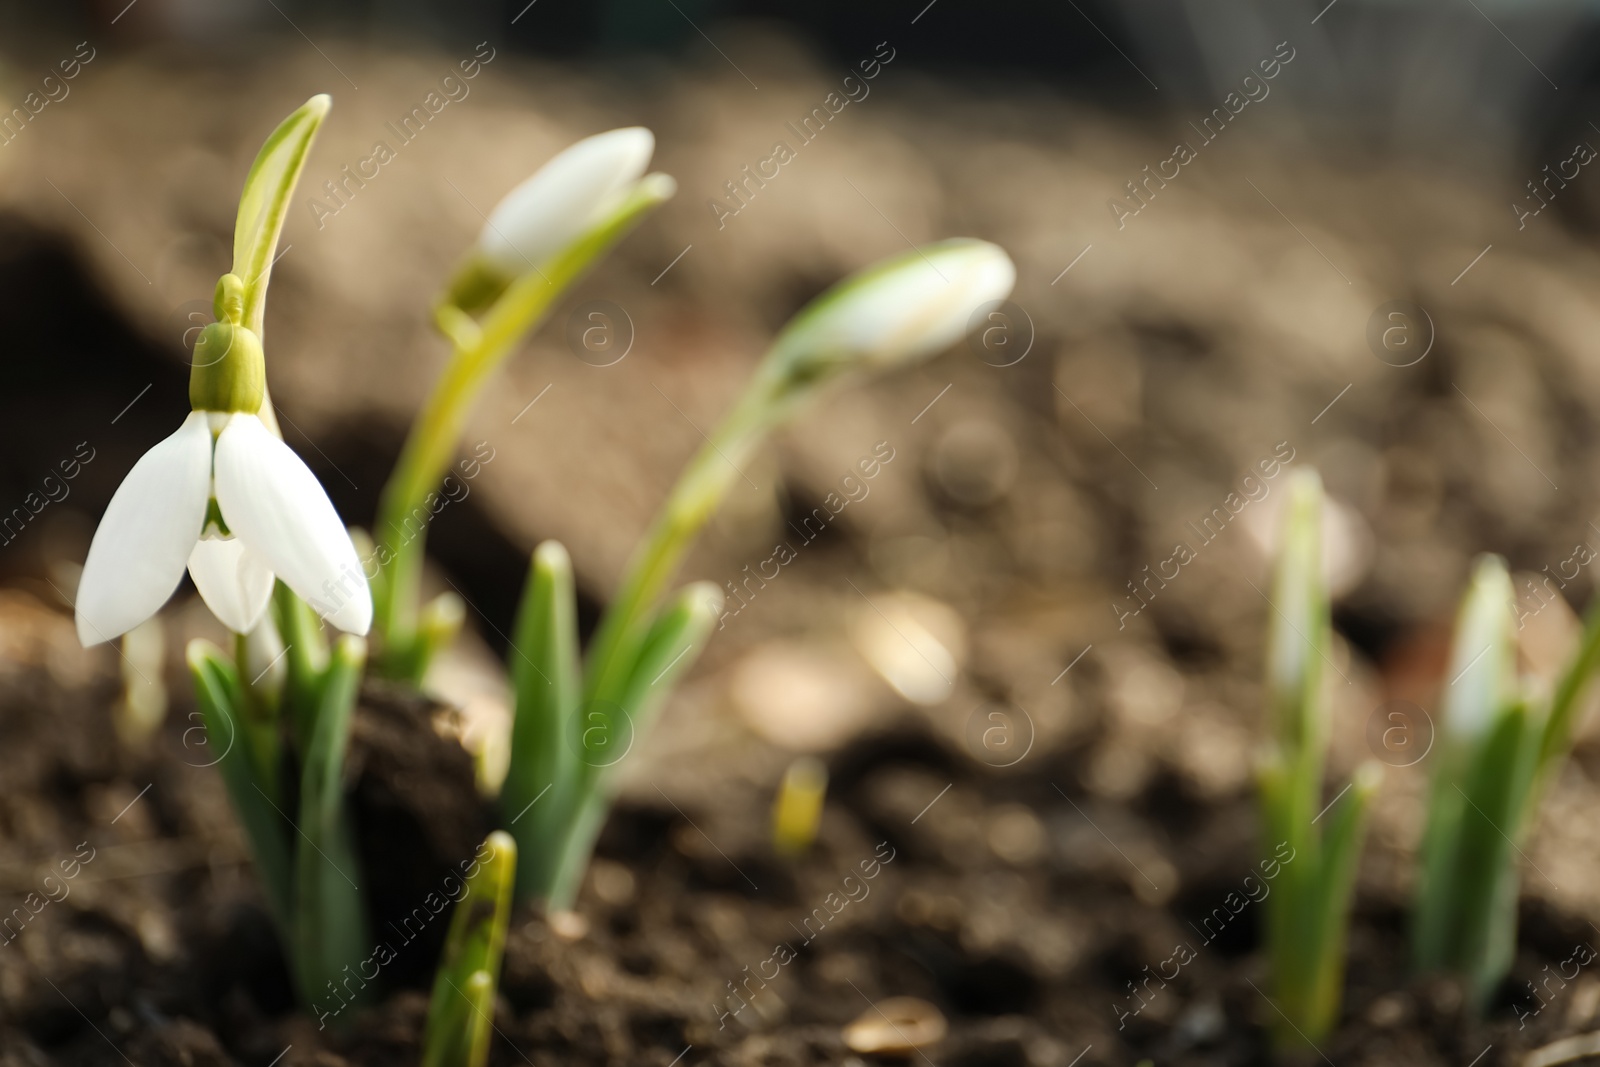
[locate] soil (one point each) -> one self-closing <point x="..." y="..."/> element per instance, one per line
<point x="990" y="893"/>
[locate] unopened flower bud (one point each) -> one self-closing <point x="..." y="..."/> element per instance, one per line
<point x="898" y="311"/>
<point x="229" y="371"/>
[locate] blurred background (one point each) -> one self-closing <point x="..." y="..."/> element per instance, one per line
<point x="1359" y="235"/>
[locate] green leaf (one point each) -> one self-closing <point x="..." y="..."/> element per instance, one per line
<point x="1341" y="853"/>
<point x="1478" y="690"/>
<point x="462" y="1008"/>
<point x="227" y="744"/>
<point x="1495" y="793"/>
<point x="330" y="930"/>
<point x="1564" y="705"/>
<point x="264" y="203"/>
<point x="535" y="799"/>
<point x="670" y="647"/>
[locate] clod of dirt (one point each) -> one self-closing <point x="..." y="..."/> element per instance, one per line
<point x="896" y="1026"/>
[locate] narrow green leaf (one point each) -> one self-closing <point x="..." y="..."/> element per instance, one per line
<point x="227" y="746"/>
<point x="1341" y="852"/>
<point x="1495" y="790"/>
<point x="264" y="203"/>
<point x="330" y="916"/>
<point x="463" y="987"/>
<point x="1564" y="705"/>
<point x="670" y="647"/>
<point x="535" y="799"/>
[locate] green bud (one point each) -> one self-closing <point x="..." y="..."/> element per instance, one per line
<point x="228" y="303"/>
<point x="229" y="372"/>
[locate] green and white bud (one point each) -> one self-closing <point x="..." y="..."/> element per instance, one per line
<point x="898" y="311"/>
<point x="1481" y="683"/>
<point x="229" y="370"/>
<point x="1297" y="627"/>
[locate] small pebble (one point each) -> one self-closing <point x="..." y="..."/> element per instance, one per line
<point x="1015" y="835"/>
<point x="1388" y="1011"/>
<point x="613" y="883"/>
<point x="896" y="1026"/>
<point x="568" y="925"/>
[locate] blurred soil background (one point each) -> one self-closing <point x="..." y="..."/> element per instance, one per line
<point x="979" y="580"/>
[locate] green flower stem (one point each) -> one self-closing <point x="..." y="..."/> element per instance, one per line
<point x="477" y="352"/>
<point x="260" y="724"/>
<point x="220" y="696"/>
<point x="330" y="922"/>
<point x="306" y="656"/>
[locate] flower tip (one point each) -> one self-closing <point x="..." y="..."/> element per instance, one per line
<point x="88" y="636"/>
<point x="198" y="652"/>
<point x="659" y="186"/>
<point x="708" y="598"/>
<point x="502" y="846"/>
<point x="561" y="199"/>
<point x="903" y="309"/>
<point x="552" y="556"/>
<point x="318" y="105"/>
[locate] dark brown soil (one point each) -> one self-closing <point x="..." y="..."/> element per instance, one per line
<point x="991" y="894"/>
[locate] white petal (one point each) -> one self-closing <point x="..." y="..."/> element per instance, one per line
<point x="562" y="198"/>
<point x="235" y="583"/>
<point x="139" y="551"/>
<point x="274" y="504"/>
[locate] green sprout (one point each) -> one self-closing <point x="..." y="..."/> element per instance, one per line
<point x="1499" y="745"/>
<point x="1308" y="911"/>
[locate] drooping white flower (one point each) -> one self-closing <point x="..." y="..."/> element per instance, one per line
<point x="564" y="198"/>
<point x="225" y="498"/>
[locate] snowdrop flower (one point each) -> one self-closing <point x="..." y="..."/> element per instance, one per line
<point x="226" y="498"/>
<point x="564" y="198"/>
<point x="905" y="308"/>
